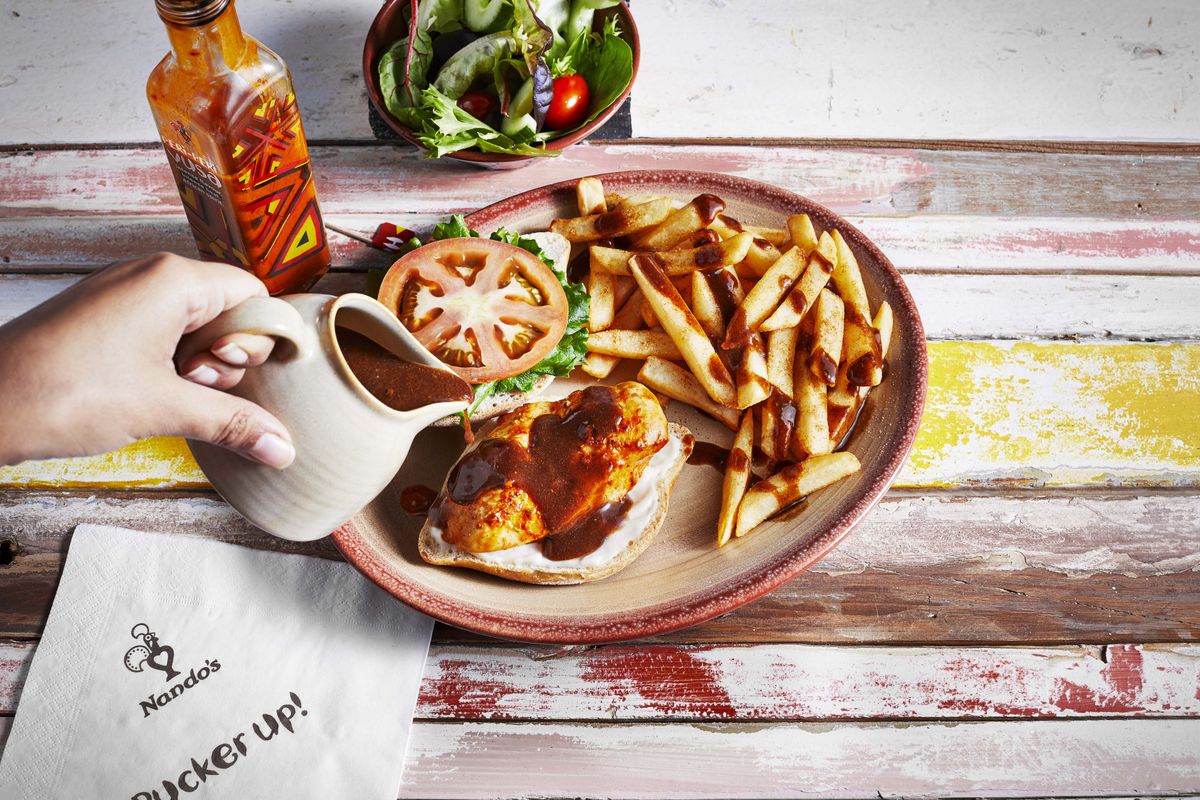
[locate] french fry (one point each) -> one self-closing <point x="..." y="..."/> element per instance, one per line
<point x="602" y="300"/>
<point x="768" y="497"/>
<point x="766" y="432"/>
<point x="764" y="298"/>
<point x="706" y="308"/>
<point x="700" y="238"/>
<point x="829" y="321"/>
<point x="589" y="193"/>
<point x="778" y="422"/>
<point x="737" y="476"/>
<point x="633" y="344"/>
<point x="802" y="232"/>
<point x="844" y="399"/>
<point x="827" y="249"/>
<point x="621" y="221"/>
<point x="726" y="226"/>
<point x="672" y="380"/>
<point x="628" y="318"/>
<point x="678" y="321"/>
<point x="675" y="262"/>
<point x="811" y="436"/>
<point x="802" y="297"/>
<point x="751" y="377"/>
<point x="864" y="364"/>
<point x="682" y="222"/>
<point x="775" y="236"/>
<point x="760" y="256"/>
<point x="599" y="366"/>
<point x="883" y="326"/>
<point x="781" y="352"/>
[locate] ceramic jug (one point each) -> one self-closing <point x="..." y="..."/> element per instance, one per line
<point x="348" y="444"/>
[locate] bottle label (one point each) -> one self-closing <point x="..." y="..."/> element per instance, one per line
<point x="208" y="211"/>
<point x="258" y="207"/>
<point x="273" y="189"/>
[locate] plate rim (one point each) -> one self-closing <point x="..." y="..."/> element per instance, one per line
<point x="723" y="597"/>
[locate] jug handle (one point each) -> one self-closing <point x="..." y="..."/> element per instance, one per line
<point x="268" y="316"/>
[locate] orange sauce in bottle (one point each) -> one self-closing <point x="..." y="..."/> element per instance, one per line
<point x="226" y="111"/>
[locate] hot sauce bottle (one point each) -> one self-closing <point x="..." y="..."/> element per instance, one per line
<point x="227" y="115"/>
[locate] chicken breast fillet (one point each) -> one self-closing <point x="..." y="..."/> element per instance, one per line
<point x="549" y="465"/>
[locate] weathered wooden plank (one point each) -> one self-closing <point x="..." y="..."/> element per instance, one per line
<point x="953" y="306"/>
<point x="891" y="74"/>
<point x="1010" y="759"/>
<point x="1121" y="70"/>
<point x="927" y="243"/>
<point x="779" y="681"/>
<point x="52" y="244"/>
<point x="1099" y="567"/>
<point x="793" y="681"/>
<point x="997" y="414"/>
<point x="1143" y="758"/>
<point x="321" y="42"/>
<point x="1051" y="415"/>
<point x="388" y="180"/>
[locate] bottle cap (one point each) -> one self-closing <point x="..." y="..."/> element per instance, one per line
<point x="190" y="12"/>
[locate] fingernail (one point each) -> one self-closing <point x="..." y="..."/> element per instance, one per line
<point x="203" y="375"/>
<point x="273" y="451"/>
<point x="232" y="354"/>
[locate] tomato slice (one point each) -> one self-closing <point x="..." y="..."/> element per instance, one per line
<point x="487" y="309"/>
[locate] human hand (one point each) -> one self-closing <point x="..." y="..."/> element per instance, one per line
<point x="92" y="368"/>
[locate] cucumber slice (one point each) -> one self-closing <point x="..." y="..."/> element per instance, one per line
<point x="487" y="16"/>
<point x="522" y="100"/>
<point x="515" y="126"/>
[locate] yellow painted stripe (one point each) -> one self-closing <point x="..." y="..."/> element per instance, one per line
<point x="1023" y="413"/>
<point x="1059" y="414"/>
<point x="161" y="462"/>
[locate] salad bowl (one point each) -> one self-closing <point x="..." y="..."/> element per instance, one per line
<point x="390" y="27"/>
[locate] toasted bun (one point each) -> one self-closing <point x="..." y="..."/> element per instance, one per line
<point x="434" y="553"/>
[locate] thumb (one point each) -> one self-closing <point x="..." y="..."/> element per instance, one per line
<point x="231" y="422"/>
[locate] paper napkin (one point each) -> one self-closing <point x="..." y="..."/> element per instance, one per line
<point x="176" y="667"/>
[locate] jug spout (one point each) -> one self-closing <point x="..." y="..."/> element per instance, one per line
<point x="427" y="415"/>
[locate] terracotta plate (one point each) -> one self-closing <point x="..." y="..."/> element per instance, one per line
<point x="682" y="579"/>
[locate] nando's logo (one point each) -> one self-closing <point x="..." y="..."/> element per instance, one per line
<point x="152" y="654"/>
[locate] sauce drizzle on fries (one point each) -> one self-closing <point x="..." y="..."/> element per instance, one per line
<point x="760" y="328"/>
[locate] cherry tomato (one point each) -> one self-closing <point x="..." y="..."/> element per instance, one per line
<point x="487" y="309"/>
<point x="569" y="105"/>
<point x="477" y="104"/>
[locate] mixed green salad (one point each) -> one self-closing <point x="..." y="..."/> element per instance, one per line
<point x="503" y="76"/>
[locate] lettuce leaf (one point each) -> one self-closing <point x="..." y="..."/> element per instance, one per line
<point x="442" y="127"/>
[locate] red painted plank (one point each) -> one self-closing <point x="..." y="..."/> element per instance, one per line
<point x="899" y="181"/>
<point x="779" y="681"/>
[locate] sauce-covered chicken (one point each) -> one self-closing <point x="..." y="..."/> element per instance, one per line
<point x="551" y="468"/>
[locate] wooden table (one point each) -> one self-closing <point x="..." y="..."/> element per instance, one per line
<point x="1018" y="617"/>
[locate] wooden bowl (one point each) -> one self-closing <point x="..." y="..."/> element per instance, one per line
<point x="682" y="578"/>
<point x="389" y="27"/>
